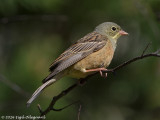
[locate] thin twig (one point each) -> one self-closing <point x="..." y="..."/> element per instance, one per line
<point x="55" y="98"/>
<point x="65" y="92"/>
<point x="146" y="48"/>
<point x="157" y="52"/>
<point x="14" y="86"/>
<point x="79" y="111"/>
<point x="39" y="108"/>
<point x="65" y="106"/>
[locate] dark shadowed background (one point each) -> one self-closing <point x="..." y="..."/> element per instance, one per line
<point x="34" y="32"/>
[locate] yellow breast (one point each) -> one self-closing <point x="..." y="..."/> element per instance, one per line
<point x="97" y="59"/>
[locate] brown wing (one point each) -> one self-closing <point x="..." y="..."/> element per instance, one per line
<point x="81" y="49"/>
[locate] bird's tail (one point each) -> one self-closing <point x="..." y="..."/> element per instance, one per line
<point x="41" y="88"/>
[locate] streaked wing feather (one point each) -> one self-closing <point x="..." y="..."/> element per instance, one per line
<point x="75" y="53"/>
<point x="78" y="46"/>
<point x="74" y="49"/>
<point x="73" y="59"/>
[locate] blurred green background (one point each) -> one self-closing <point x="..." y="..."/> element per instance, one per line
<point x="34" y="32"/>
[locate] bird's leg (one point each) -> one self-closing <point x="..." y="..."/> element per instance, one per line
<point x="105" y="75"/>
<point x="98" y="69"/>
<point x="101" y="73"/>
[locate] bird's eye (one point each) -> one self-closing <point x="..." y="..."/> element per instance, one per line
<point x="114" y="28"/>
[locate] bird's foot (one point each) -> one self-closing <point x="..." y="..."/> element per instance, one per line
<point x="103" y="74"/>
<point x="100" y="71"/>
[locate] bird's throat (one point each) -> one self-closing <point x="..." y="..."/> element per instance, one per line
<point x="114" y="43"/>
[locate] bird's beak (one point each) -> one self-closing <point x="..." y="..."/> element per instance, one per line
<point x="121" y="32"/>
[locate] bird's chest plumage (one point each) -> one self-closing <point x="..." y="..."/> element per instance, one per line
<point x="101" y="58"/>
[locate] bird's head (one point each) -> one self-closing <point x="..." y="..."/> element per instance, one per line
<point x="111" y="30"/>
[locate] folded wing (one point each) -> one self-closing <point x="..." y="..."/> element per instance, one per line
<point x="81" y="49"/>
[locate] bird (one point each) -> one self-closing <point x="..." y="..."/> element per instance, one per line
<point x="92" y="53"/>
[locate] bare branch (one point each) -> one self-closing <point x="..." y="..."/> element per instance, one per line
<point x="69" y="89"/>
<point x="157" y="52"/>
<point x="14" y="87"/>
<point x="55" y="98"/>
<point x="154" y="54"/>
<point x="65" y="106"/>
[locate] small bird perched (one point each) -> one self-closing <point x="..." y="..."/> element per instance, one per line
<point x="88" y="55"/>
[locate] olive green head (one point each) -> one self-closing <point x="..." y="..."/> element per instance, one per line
<point x="111" y="30"/>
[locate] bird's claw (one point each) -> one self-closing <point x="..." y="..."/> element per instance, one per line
<point x="103" y="74"/>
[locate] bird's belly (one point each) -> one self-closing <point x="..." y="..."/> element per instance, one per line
<point x="101" y="58"/>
